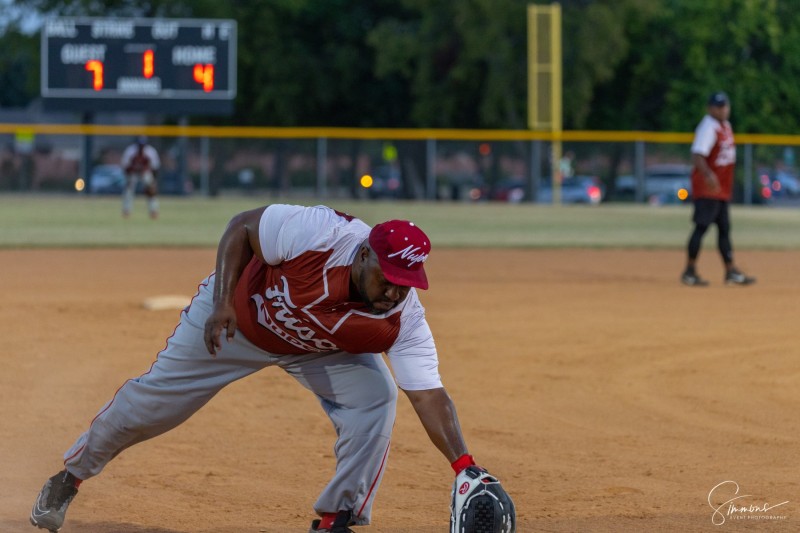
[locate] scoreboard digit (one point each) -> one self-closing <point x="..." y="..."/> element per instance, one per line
<point x="153" y="65"/>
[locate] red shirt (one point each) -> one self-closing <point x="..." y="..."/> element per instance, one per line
<point x="303" y="306"/>
<point x="298" y="301"/>
<point x="714" y="141"/>
<point x="138" y="158"/>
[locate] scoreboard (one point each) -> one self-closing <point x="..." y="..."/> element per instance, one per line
<point x="176" y="66"/>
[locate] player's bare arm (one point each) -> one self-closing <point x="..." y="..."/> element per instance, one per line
<point x="438" y="415"/>
<point x="710" y="177"/>
<point x="472" y="483"/>
<point x="236" y="248"/>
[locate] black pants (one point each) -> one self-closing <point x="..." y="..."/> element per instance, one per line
<point x="706" y="212"/>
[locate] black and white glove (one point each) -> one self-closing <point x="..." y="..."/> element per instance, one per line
<point x="480" y="504"/>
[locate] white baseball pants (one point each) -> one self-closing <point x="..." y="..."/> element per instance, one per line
<point x="357" y="393"/>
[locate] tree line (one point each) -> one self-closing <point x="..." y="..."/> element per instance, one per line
<point x="628" y="64"/>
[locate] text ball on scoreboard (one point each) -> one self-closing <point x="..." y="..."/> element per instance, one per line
<point x="130" y="62"/>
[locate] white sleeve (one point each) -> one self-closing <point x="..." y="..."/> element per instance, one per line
<point x="413" y="356"/>
<point x="705" y="137"/>
<point x="271" y="234"/>
<point x="127" y="155"/>
<point x="286" y="231"/>
<point x="152" y="154"/>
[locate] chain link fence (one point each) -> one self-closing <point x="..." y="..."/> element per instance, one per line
<point x="447" y="165"/>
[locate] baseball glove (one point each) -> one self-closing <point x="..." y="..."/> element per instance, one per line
<point x="480" y="504"/>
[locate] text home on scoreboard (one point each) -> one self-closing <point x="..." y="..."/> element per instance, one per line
<point x="176" y="66"/>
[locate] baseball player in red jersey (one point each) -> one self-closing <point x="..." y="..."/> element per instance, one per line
<point x="140" y="162"/>
<point x="320" y="295"/>
<point x="714" y="158"/>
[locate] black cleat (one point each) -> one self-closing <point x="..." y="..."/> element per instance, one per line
<point x="734" y="277"/>
<point x="690" y="278"/>
<point x="51" y="506"/>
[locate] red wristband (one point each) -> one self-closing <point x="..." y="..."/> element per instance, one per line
<point x="462" y="462"/>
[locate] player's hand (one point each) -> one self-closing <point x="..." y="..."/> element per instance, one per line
<point x="222" y="317"/>
<point x="713" y="183"/>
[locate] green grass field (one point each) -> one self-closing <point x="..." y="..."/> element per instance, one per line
<point x="28" y="221"/>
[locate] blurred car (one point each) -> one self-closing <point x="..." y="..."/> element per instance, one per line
<point x="574" y="190"/>
<point x="463" y="186"/>
<point x="110" y="179"/>
<point x="510" y="190"/>
<point x="171" y="183"/>
<point x="625" y="185"/>
<point x="788" y="183"/>
<point x="386" y="183"/>
<point x="106" y="179"/>
<point x="778" y="183"/>
<point x="760" y="193"/>
<point x="663" y="184"/>
<point x="667" y="183"/>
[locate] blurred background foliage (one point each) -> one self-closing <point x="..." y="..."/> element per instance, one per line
<point x="628" y="64"/>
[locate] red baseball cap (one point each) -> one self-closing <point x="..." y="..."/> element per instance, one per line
<point x="401" y="248"/>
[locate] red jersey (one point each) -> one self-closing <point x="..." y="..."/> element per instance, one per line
<point x="299" y="302"/>
<point x="139" y="158"/>
<point x="714" y="141"/>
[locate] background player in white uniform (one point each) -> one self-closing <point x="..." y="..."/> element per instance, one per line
<point x="319" y="294"/>
<point x="140" y="162"/>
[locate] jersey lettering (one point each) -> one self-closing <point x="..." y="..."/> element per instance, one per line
<point x="285" y="319"/>
<point x="727" y="151"/>
<point x="301" y="301"/>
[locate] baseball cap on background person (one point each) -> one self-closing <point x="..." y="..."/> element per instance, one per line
<point x="402" y="248"/>
<point x="141" y="139"/>
<point x="718" y="99"/>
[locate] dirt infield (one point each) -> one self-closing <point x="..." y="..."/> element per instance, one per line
<point x="604" y="395"/>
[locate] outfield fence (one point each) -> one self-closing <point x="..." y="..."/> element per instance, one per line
<point x="458" y="165"/>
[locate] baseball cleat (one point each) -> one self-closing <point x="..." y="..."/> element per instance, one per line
<point x="51" y="505"/>
<point x="734" y="277"/>
<point x="343" y="519"/>
<point x="690" y="277"/>
<point x="315" y="524"/>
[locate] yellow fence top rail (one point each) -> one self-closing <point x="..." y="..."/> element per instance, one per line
<point x="400" y="134"/>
